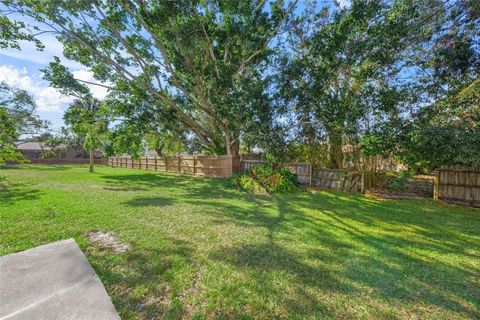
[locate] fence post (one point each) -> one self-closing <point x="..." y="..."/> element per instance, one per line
<point x="179" y="161"/>
<point x="131" y="161"/>
<point x="436" y="184"/>
<point x="362" y="181"/>
<point x="311" y="173"/>
<point x="194" y="165"/>
<point x="155" y="163"/>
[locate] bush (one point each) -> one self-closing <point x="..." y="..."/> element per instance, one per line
<point x="266" y="178"/>
<point x="46" y="154"/>
<point x="400" y="180"/>
<point x="9" y="154"/>
<point x="247" y="183"/>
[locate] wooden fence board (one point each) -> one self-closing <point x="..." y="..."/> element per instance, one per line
<point x="212" y="166"/>
<point x="459" y="185"/>
<point x="304" y="174"/>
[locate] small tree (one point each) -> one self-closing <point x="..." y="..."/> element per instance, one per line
<point x="88" y="121"/>
<point x="8" y="134"/>
<point x="17" y="119"/>
<point x="85" y="114"/>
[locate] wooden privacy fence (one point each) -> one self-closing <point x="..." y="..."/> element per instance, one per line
<point x="318" y="177"/>
<point x="210" y="166"/>
<point x="226" y="166"/>
<point x="458" y="185"/>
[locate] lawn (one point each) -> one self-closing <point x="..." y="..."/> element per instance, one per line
<point x="201" y="249"/>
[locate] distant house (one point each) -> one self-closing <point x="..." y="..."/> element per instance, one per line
<point x="33" y="150"/>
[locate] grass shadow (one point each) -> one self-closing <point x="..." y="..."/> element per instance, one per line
<point x="389" y="247"/>
<point x="142" y="281"/>
<point x="12" y="192"/>
<point x="150" y="202"/>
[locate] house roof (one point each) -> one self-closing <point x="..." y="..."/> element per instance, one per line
<point x="33" y="145"/>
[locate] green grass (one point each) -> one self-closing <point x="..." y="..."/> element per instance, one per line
<point x="201" y="249"/>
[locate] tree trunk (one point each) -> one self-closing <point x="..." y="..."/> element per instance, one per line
<point x="159" y="151"/>
<point x="91" y="160"/>
<point x="232" y="144"/>
<point x="335" y="144"/>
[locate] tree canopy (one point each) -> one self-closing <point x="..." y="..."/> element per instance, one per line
<point x="86" y="115"/>
<point x="200" y="59"/>
<point x="18" y="119"/>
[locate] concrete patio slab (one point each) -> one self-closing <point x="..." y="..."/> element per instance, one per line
<point x="53" y="281"/>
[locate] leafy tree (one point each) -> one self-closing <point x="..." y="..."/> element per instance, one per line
<point x="17" y="119"/>
<point x="8" y="134"/>
<point x="85" y="115"/>
<point x="343" y="76"/>
<point x="447" y="133"/>
<point x="11" y="32"/>
<point x="68" y="138"/>
<point x="20" y="107"/>
<point x="444" y="128"/>
<point x="88" y="121"/>
<point x="201" y="59"/>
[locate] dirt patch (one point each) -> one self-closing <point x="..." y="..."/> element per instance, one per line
<point x="107" y="240"/>
<point x="417" y="187"/>
<point x="390" y="194"/>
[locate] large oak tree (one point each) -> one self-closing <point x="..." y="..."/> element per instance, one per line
<point x="343" y="73"/>
<point x="199" y="58"/>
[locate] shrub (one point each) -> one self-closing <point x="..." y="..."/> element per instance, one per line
<point x="10" y="155"/>
<point x="266" y="178"/>
<point x="247" y="183"/>
<point x="45" y="154"/>
<point x="400" y="180"/>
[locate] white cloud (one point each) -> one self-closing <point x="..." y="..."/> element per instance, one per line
<point x="30" y="54"/>
<point x="85" y="75"/>
<point x="344" y="3"/>
<point x="48" y="99"/>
